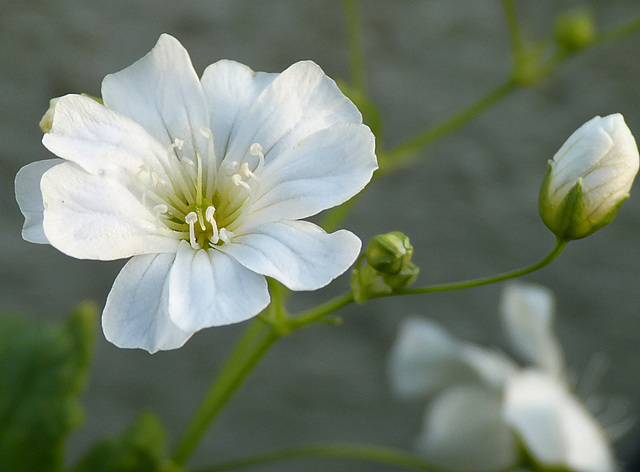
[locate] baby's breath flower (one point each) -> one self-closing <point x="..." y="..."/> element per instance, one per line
<point x="203" y="183"/>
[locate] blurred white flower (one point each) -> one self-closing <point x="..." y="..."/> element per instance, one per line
<point x="485" y="408"/>
<point x="203" y="182"/>
<point x="589" y="178"/>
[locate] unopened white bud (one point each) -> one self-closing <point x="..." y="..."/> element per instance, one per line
<point x="589" y="178"/>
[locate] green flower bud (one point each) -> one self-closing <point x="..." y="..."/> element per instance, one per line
<point x="575" y="30"/>
<point x="389" y="253"/>
<point x="384" y="267"/>
<point x="589" y="178"/>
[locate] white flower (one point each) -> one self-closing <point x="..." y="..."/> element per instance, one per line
<point x="589" y="178"/>
<point x="203" y="182"/>
<point x="484" y="405"/>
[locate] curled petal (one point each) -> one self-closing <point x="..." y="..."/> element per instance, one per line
<point x="29" y="198"/>
<point x="91" y="217"/>
<point x="527" y="315"/>
<point x="464" y="430"/>
<point x="136" y="314"/>
<point x="297" y="253"/>
<point x="553" y="425"/>
<point x="210" y="288"/>
<point x="425" y="359"/>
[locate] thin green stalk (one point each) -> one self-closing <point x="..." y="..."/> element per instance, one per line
<point x="515" y="32"/>
<point x="397" y="157"/>
<point x="549" y="258"/>
<point x="354" y="40"/>
<point x="321" y="311"/>
<point x="360" y="452"/>
<point x="250" y="349"/>
<point x="617" y="33"/>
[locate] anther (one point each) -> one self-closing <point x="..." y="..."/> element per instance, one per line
<point x="256" y="150"/>
<point x="161" y="208"/>
<point x="191" y="219"/>
<point x="143" y="176"/>
<point x="178" y="143"/>
<point x="208" y="215"/>
<point x="244" y="170"/>
<point x="237" y="180"/>
<point x="231" y="168"/>
<point x="206" y="132"/>
<point x="226" y="235"/>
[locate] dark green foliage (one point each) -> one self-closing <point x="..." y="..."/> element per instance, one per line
<point x="43" y="369"/>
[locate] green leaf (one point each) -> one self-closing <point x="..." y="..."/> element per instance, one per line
<point x="140" y="448"/>
<point x="43" y="368"/>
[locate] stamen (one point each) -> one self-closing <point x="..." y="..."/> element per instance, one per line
<point x="244" y="170"/>
<point x="226" y="235"/>
<point x="231" y="168"/>
<point x="188" y="161"/>
<point x="178" y="143"/>
<point x="256" y="150"/>
<point x="160" y="209"/>
<point x="210" y="172"/>
<point x="191" y="219"/>
<point x="199" y="180"/>
<point x="144" y="176"/>
<point x="237" y="180"/>
<point x="208" y="214"/>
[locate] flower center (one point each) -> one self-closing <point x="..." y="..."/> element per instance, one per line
<point x="197" y="201"/>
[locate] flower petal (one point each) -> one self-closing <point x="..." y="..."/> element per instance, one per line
<point x="527" y="314"/>
<point x="464" y="430"/>
<point x="299" y="102"/>
<point x="299" y="254"/>
<point x="101" y="140"/>
<point x="162" y="93"/>
<point x="426" y="359"/>
<point x="136" y="313"/>
<point x="319" y="172"/>
<point x="554" y="427"/>
<point x="230" y="88"/>
<point x="29" y="198"/>
<point x="210" y="288"/>
<point x="92" y="217"/>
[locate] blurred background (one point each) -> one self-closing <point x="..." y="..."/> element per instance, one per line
<point x="470" y="207"/>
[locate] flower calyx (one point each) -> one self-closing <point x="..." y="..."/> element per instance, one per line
<point x="384" y="267"/>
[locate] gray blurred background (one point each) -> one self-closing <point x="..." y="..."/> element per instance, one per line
<point x="470" y="209"/>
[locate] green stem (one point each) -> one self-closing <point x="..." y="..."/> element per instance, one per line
<point x="319" y="312"/>
<point x="250" y="349"/>
<point x="361" y="452"/>
<point x="354" y="40"/>
<point x="617" y="33"/>
<point x="400" y="155"/>
<point x="515" y="32"/>
<point x="552" y="256"/>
